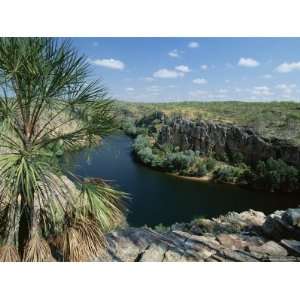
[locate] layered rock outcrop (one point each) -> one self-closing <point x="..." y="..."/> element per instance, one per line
<point x="247" y="237"/>
<point x="226" y="141"/>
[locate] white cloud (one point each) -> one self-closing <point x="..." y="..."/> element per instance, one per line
<point x="286" y="88"/>
<point x="223" y="91"/>
<point x="153" y="88"/>
<point x="267" y="76"/>
<point x="198" y="93"/>
<point x="200" y="81"/>
<point x="166" y="73"/>
<point x="110" y="63"/>
<point x="174" y="53"/>
<point x="149" y="79"/>
<point x="288" y="67"/>
<point x="248" y="62"/>
<point x="193" y="45"/>
<point x="204" y="67"/>
<point x="183" y="68"/>
<point x="262" y="91"/>
<point x="130" y="89"/>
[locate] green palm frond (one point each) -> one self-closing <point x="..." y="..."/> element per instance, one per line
<point x="100" y="200"/>
<point x="47" y="102"/>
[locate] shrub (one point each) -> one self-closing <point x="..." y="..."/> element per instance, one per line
<point x="237" y="157"/>
<point x="210" y="164"/>
<point x="157" y="161"/>
<point x="141" y="142"/>
<point x="202" y="170"/>
<point x="178" y="161"/>
<point x="161" y="228"/>
<point x="275" y="175"/>
<point x="228" y="174"/>
<point x="129" y="127"/>
<point x="145" y="155"/>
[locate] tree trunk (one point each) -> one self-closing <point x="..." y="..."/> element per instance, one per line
<point x="24" y="225"/>
<point x="13" y="227"/>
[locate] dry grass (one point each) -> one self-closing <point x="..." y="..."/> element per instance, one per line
<point x="9" y="253"/>
<point x="270" y="119"/>
<point x="83" y="241"/>
<point x="37" y="250"/>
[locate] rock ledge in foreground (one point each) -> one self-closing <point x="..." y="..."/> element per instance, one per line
<point x="249" y="236"/>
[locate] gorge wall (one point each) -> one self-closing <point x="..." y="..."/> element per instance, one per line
<point x="227" y="140"/>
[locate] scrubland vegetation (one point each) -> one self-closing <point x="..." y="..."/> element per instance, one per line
<point x="272" y="175"/>
<point x="270" y="119"/>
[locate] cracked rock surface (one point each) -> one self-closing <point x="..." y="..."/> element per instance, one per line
<point x="225" y="140"/>
<point x="249" y="236"/>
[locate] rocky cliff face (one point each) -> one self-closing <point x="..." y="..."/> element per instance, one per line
<point x="247" y="236"/>
<point x="227" y="140"/>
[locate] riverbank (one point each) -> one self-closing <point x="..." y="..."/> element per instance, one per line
<point x="229" y="153"/>
<point x="157" y="197"/>
<point x="206" y="178"/>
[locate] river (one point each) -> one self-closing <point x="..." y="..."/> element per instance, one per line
<point x="157" y="197"/>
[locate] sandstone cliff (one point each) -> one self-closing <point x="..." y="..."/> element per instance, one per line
<point x="226" y="141"/>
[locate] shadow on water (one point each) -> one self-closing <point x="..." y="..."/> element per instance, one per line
<point x="161" y="198"/>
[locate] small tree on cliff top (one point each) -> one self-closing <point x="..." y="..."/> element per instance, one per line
<point x="46" y="100"/>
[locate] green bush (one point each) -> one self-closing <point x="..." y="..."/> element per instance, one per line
<point x="237" y="158"/>
<point x="161" y="228"/>
<point x="129" y="127"/>
<point x="228" y="174"/>
<point x="202" y="170"/>
<point x="157" y="161"/>
<point x="275" y="175"/>
<point x="141" y="142"/>
<point x="210" y="164"/>
<point x="178" y="161"/>
<point x="145" y="155"/>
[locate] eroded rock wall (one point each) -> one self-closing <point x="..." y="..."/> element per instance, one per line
<point x="227" y="140"/>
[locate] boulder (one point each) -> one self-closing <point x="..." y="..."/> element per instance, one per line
<point x="240" y="256"/>
<point x="270" y="248"/>
<point x="252" y="217"/>
<point x="292" y="216"/>
<point x="129" y="244"/>
<point x="155" y="252"/>
<point x="231" y="241"/>
<point x="292" y="245"/>
<point x="214" y="242"/>
<point x="232" y="222"/>
<point x="278" y="227"/>
<point x="174" y="256"/>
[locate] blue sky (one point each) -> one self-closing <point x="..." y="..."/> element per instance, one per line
<point x="201" y="69"/>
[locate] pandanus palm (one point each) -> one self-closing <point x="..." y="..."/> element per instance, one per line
<point x="47" y="101"/>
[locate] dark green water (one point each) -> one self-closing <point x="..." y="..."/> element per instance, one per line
<point x="161" y="198"/>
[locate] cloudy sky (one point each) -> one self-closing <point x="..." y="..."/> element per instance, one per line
<point x="175" y="69"/>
